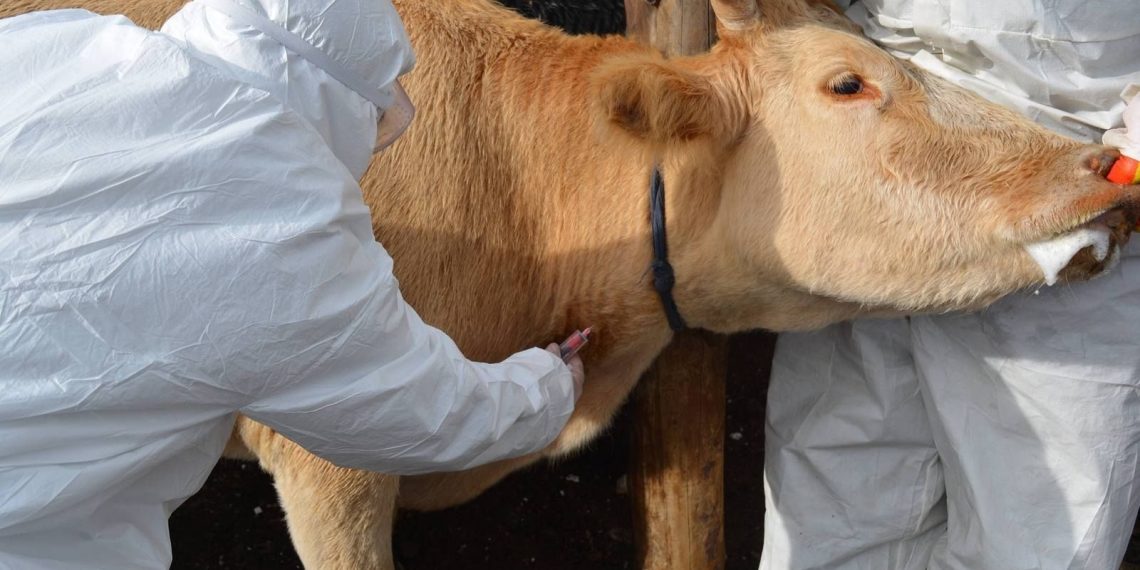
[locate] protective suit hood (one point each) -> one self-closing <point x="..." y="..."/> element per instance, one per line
<point x="335" y="62"/>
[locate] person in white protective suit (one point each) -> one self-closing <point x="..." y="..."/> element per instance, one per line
<point x="182" y="237"/>
<point x="1003" y="440"/>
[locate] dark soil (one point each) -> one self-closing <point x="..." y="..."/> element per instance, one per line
<point x="574" y="515"/>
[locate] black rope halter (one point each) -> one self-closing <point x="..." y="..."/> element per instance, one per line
<point x="663" y="277"/>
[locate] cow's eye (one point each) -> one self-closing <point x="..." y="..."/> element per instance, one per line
<point x="846" y="85"/>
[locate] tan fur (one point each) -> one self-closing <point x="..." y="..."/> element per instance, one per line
<point x="516" y="209"/>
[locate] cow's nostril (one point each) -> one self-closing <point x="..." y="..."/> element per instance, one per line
<point x="1100" y="160"/>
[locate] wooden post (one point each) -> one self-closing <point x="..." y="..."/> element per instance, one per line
<point x="675" y="27"/>
<point x="677" y="475"/>
<point x="677" y="472"/>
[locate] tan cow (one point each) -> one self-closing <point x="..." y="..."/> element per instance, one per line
<point x="810" y="178"/>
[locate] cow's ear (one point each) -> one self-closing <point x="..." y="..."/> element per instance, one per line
<point x="660" y="101"/>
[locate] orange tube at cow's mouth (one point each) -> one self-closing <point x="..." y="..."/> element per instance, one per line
<point x="1124" y="171"/>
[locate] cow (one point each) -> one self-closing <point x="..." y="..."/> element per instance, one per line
<point x="809" y="178"/>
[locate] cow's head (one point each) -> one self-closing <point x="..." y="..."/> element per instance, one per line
<point x="849" y="181"/>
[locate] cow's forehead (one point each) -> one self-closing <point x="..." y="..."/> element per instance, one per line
<point x="808" y="52"/>
<point x="813" y="42"/>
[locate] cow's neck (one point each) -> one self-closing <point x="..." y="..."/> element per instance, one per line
<point x="580" y="193"/>
<point x="599" y="184"/>
<point x="606" y="235"/>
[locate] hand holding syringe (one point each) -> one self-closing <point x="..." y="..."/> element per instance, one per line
<point x="568" y="351"/>
<point x="574" y="343"/>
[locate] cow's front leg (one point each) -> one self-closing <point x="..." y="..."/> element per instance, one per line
<point x="339" y="519"/>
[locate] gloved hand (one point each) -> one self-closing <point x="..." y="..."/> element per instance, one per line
<point x="1127" y="138"/>
<point x="577" y="370"/>
<point x="1126" y="170"/>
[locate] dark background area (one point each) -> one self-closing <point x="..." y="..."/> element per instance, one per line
<point x="575" y="16"/>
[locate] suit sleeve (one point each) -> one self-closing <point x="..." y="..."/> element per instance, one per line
<point x="390" y="393"/>
<point x="328" y="353"/>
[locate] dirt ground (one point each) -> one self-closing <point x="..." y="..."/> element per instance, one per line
<point x="574" y="515"/>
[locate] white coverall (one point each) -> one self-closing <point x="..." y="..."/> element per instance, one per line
<point x="1004" y="440"/>
<point x="182" y="237"/>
